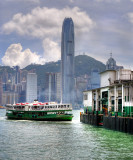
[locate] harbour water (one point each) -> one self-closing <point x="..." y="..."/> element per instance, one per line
<point x="38" y="140"/>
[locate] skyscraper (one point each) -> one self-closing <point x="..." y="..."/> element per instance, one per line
<point x="31" y="87"/>
<point x="17" y="74"/>
<point x="52" y="87"/>
<point x="67" y="61"/>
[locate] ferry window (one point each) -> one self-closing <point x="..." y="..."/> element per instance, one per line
<point x="58" y="106"/>
<point x="40" y="114"/>
<point x="68" y="106"/>
<point x="61" y="106"/>
<point x="64" y="106"/>
<point x="50" y="106"/>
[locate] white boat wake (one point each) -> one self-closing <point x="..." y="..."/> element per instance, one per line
<point x="2" y="118"/>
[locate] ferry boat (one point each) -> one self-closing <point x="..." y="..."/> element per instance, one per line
<point x="50" y="111"/>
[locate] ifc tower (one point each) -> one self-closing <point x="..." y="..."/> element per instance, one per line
<point x="67" y="61"/>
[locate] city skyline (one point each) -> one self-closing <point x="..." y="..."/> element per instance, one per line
<point x="28" y="35"/>
<point x="14" y="81"/>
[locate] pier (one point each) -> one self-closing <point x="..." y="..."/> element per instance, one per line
<point x="116" y="123"/>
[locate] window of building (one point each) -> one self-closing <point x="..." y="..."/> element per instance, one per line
<point x="85" y="97"/>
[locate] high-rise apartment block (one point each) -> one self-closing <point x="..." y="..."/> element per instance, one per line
<point x="52" y="86"/>
<point x="17" y="74"/>
<point x="67" y="61"/>
<point x="31" y="87"/>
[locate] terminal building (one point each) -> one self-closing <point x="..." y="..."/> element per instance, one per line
<point x="114" y="95"/>
<point x="111" y="105"/>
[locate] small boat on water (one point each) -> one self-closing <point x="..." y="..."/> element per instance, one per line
<point x="50" y="111"/>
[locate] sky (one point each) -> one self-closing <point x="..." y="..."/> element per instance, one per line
<point x="30" y="30"/>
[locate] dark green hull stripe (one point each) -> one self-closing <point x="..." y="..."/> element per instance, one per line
<point x="42" y="119"/>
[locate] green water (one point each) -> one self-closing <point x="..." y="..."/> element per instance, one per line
<point x="33" y="140"/>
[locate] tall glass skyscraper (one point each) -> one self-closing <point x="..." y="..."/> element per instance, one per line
<point x="67" y="61"/>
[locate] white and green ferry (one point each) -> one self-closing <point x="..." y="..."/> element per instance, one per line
<point x="50" y="111"/>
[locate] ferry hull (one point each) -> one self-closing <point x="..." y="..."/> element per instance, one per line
<point x="29" y="116"/>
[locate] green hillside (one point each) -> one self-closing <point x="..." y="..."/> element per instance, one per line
<point x="83" y="65"/>
<point x="4" y="69"/>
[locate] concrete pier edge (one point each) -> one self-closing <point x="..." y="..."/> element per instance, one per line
<point x="116" y="123"/>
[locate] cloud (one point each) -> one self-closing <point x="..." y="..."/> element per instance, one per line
<point x="27" y="1"/>
<point x="71" y="1"/>
<point x="15" y="56"/>
<point x="47" y="22"/>
<point x="130" y="17"/>
<point x="51" y="50"/>
<point x="110" y="1"/>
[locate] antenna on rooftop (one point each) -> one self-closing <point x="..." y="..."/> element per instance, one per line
<point x="111" y="55"/>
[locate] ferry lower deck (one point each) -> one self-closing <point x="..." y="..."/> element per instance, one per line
<point x="41" y="116"/>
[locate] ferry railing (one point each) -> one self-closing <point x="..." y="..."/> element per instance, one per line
<point x="50" y="109"/>
<point x="9" y="108"/>
<point x="40" y="109"/>
<point x="17" y="109"/>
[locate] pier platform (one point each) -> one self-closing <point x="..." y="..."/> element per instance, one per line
<point x="122" y="124"/>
